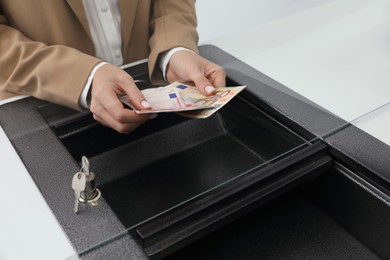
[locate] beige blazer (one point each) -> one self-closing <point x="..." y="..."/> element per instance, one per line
<point x="46" y="49"/>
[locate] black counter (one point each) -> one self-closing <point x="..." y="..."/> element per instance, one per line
<point x="352" y="207"/>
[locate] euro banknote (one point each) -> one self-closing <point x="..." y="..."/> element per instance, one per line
<point x="185" y="99"/>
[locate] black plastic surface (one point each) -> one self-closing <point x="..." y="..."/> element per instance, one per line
<point x="357" y="205"/>
<point x="289" y="228"/>
<point x="205" y="154"/>
<point x="218" y="207"/>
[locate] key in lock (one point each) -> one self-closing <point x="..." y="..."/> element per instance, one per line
<point x="84" y="185"/>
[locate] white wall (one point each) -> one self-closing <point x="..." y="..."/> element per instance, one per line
<point x="220" y="17"/>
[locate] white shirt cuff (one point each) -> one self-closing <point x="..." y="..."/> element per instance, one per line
<point x="83" y="100"/>
<point x="166" y="56"/>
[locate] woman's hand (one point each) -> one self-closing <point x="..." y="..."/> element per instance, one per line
<point x="108" y="84"/>
<point x="188" y="67"/>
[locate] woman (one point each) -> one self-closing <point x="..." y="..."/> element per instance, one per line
<point x="67" y="52"/>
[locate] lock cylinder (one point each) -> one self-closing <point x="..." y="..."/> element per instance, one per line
<point x="91" y="193"/>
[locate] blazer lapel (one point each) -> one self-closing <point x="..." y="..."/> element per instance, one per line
<point x="128" y="12"/>
<point x="78" y="8"/>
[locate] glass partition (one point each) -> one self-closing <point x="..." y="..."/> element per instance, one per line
<point x="335" y="54"/>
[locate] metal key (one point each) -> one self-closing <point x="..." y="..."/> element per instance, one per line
<point x="79" y="182"/>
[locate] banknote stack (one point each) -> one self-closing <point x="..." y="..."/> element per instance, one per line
<point x="186" y="100"/>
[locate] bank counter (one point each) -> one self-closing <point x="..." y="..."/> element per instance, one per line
<point x="283" y="171"/>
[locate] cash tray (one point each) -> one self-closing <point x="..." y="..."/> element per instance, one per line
<point x="170" y="173"/>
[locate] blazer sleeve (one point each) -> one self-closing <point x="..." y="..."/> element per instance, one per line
<point x="173" y="24"/>
<point x="54" y="73"/>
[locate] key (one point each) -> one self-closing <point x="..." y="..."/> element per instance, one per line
<point x="84" y="165"/>
<point x="79" y="182"/>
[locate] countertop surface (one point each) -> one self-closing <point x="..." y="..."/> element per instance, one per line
<point x="336" y="54"/>
<point x="29" y="229"/>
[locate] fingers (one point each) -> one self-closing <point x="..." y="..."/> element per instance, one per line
<point x="215" y="73"/>
<point x="219" y="78"/>
<point x="134" y="95"/>
<point x="186" y="66"/>
<point x="214" y="77"/>
<point x="203" y="84"/>
<point x="110" y="112"/>
<point x="109" y="82"/>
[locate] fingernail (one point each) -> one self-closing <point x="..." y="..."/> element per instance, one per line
<point x="145" y="104"/>
<point x="153" y="116"/>
<point x="209" y="89"/>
